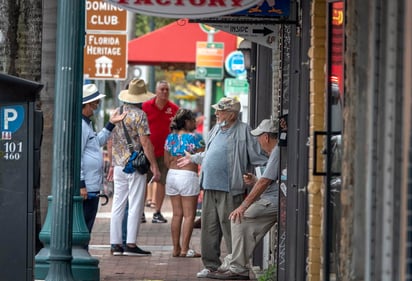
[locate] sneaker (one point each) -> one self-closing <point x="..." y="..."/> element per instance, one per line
<point x="158" y="218"/>
<point x="135" y="251"/>
<point x="143" y="218"/>
<point x="116" y="250"/>
<point x="228" y="275"/>
<point x="203" y="273"/>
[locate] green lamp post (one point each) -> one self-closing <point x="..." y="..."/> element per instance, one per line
<point x="64" y="233"/>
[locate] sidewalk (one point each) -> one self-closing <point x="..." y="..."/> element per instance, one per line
<point x="153" y="237"/>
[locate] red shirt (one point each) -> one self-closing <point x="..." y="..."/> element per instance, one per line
<point x="159" y="123"/>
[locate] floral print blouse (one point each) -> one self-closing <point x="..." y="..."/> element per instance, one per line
<point x="177" y="144"/>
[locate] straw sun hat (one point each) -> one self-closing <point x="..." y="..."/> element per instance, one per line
<point x="136" y="93"/>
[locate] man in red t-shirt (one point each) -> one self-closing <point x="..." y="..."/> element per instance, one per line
<point x="160" y="111"/>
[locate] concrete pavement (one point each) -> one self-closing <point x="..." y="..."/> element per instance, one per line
<point x="153" y="237"/>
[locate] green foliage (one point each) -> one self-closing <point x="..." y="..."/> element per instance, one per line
<point x="269" y="274"/>
<point x="146" y="24"/>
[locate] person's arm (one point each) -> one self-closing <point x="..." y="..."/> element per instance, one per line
<point x="257" y="190"/>
<point x="149" y="152"/>
<point x="109" y="156"/>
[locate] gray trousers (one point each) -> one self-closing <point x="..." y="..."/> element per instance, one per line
<point x="216" y="207"/>
<point x="258" y="220"/>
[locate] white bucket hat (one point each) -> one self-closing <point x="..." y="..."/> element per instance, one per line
<point x="91" y="93"/>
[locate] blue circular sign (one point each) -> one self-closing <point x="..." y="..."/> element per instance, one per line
<point x="235" y="64"/>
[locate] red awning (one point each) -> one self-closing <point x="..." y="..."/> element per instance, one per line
<point x="174" y="43"/>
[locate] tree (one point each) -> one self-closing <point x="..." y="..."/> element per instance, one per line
<point x="146" y="24"/>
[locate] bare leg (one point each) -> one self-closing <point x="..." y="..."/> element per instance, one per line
<point x="159" y="193"/>
<point x="189" y="212"/>
<point x="149" y="193"/>
<point x="176" y="223"/>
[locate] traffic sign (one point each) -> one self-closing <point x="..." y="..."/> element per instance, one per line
<point x="209" y="60"/>
<point x="258" y="33"/>
<point x="103" y="16"/>
<point x="235" y="64"/>
<point x="236" y="87"/>
<point x="105" y="56"/>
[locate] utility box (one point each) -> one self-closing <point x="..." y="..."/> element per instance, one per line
<point x="20" y="140"/>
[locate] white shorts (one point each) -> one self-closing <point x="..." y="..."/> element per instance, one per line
<point x="182" y="182"/>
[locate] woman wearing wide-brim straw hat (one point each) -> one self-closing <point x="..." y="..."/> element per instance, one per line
<point x="136" y="92"/>
<point x="130" y="187"/>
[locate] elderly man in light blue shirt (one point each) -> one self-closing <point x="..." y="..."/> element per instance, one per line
<point x="91" y="169"/>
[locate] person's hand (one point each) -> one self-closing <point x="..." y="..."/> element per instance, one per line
<point x="109" y="176"/>
<point x="117" y="117"/>
<point x="249" y="179"/>
<point x="184" y="160"/>
<point x="156" y="173"/>
<point x="83" y="193"/>
<point x="237" y="215"/>
<point x="283" y="124"/>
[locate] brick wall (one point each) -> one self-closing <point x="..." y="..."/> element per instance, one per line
<point x="317" y="55"/>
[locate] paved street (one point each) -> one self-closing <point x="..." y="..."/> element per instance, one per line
<point x="153" y="237"/>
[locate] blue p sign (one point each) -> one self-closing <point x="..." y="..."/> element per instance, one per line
<point x="11" y="118"/>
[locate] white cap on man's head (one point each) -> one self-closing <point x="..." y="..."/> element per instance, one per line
<point x="266" y="126"/>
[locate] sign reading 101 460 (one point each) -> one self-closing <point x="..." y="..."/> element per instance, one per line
<point x="11" y="119"/>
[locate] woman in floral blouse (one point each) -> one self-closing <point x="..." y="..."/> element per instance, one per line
<point x="182" y="184"/>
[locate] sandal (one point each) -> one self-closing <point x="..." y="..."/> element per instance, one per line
<point x="190" y="254"/>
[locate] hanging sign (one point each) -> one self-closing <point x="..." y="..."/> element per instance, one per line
<point x="209" y="60"/>
<point x="184" y="8"/>
<point x="258" y="33"/>
<point x="105" y="50"/>
<point x="100" y="15"/>
<point x="105" y="56"/>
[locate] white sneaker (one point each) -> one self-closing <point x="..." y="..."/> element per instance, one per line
<point x="203" y="273"/>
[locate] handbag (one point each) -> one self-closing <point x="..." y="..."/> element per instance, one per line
<point x="137" y="160"/>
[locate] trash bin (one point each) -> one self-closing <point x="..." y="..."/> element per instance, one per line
<point x="20" y="131"/>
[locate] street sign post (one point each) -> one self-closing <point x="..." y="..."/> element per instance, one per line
<point x="235" y="64"/>
<point x="209" y="60"/>
<point x="236" y="87"/>
<point x="101" y="15"/>
<point x="105" y="56"/>
<point x="258" y="33"/>
<point x="105" y="52"/>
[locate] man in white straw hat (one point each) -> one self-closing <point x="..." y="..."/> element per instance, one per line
<point x="230" y="151"/>
<point x="91" y="169"/>
<point x="130" y="187"/>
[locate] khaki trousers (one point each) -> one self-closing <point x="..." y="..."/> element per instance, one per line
<point x="258" y="220"/>
<point x="216" y="207"/>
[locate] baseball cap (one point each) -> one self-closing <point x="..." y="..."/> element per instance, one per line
<point x="266" y="126"/>
<point x="227" y="103"/>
